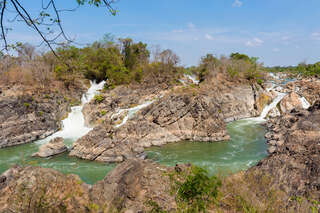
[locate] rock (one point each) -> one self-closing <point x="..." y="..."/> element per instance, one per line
<point x="54" y="147"/>
<point x="272" y="142"/>
<point x="173" y="118"/>
<point x="29" y="114"/>
<point x="272" y="149"/>
<point x="290" y="102"/>
<point x="38" y="189"/>
<point x="128" y="187"/>
<point x="294" y="165"/>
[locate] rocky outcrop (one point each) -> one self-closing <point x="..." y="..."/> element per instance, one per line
<point x="132" y="185"/>
<point x="195" y="113"/>
<point x="128" y="188"/>
<point x="307" y="88"/>
<point x="171" y="119"/>
<point x="290" y="102"/>
<point x="33" y="115"/>
<point x="294" y="162"/>
<point x="34" y="189"/>
<point x="54" y="147"/>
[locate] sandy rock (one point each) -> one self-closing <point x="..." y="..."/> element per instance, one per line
<point x="54" y="147"/>
<point x="290" y="102"/>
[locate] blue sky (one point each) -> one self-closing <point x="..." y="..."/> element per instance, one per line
<point x="279" y="32"/>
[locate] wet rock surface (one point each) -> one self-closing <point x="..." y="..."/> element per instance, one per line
<point x="54" y="147"/>
<point x="294" y="161"/>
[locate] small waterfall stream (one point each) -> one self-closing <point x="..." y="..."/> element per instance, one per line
<point x="305" y="103"/>
<point x="274" y="104"/>
<point x="73" y="127"/>
<point x="130" y="112"/>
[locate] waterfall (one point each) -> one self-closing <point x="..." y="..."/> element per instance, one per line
<point x="305" y="103"/>
<point x="274" y="76"/>
<point x="193" y="78"/>
<point x="274" y="103"/>
<point x="73" y="127"/>
<point x="130" y="112"/>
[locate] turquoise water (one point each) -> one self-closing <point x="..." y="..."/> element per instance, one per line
<point x="90" y="172"/>
<point x="245" y="149"/>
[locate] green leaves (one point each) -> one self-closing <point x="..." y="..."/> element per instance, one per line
<point x="195" y="189"/>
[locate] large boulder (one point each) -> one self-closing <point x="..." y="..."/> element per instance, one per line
<point x="54" y="147"/>
<point x="290" y="102"/>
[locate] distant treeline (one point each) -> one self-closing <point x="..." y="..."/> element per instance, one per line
<point x="119" y="61"/>
<point x="302" y="69"/>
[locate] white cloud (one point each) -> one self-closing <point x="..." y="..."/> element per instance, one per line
<point x="276" y="50"/>
<point x="208" y="37"/>
<point x="315" y="36"/>
<point x="237" y="3"/>
<point x="255" y="42"/>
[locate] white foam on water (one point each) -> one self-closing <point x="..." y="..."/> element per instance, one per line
<point x="193" y="78"/>
<point x="130" y="112"/>
<point x="73" y="127"/>
<point x="274" y="76"/>
<point x="274" y="103"/>
<point x="304" y="102"/>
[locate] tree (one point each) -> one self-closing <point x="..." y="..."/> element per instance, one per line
<point x="208" y="64"/>
<point x="47" y="23"/>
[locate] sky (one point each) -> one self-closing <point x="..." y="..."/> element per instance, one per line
<point x="279" y="32"/>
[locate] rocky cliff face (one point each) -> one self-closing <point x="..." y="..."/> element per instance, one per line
<point x="294" y="162"/>
<point x="180" y="113"/>
<point x="173" y="118"/>
<point x="128" y="188"/>
<point x="26" y="116"/>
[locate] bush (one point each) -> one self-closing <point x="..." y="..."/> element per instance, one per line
<point x="98" y="98"/>
<point x="195" y="190"/>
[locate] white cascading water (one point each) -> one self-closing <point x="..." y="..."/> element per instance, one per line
<point x="193" y="78"/>
<point x="274" y="103"/>
<point x="305" y="103"/>
<point x="73" y="127"/>
<point x="130" y="112"/>
<point x="274" y="76"/>
<point x="267" y="109"/>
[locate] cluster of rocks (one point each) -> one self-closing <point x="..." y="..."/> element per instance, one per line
<point x="132" y="186"/>
<point x="178" y="114"/>
<point x="32" y="115"/>
<point x="294" y="162"/>
<point x="171" y="119"/>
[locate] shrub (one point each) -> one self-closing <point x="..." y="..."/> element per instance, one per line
<point x="195" y="190"/>
<point x="103" y="113"/>
<point x="26" y="105"/>
<point x="98" y="98"/>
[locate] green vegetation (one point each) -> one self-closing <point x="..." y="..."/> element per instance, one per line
<point x="98" y="98"/>
<point x="302" y="69"/>
<point x="195" y="190"/>
<point x="26" y="104"/>
<point x="103" y="113"/>
<point x="237" y="66"/>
